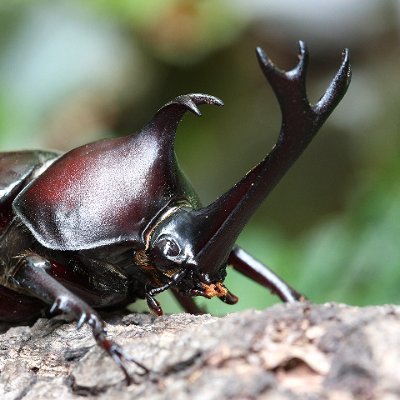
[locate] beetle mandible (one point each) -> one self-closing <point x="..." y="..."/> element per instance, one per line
<point x="116" y="220"/>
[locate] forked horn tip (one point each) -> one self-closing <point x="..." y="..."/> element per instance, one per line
<point x="262" y="56"/>
<point x="302" y="47"/>
<point x="346" y="56"/>
<point x="303" y="56"/>
<point x="171" y="113"/>
<point x="346" y="63"/>
<point x="186" y="102"/>
<point x="200" y="98"/>
<point x="192" y="100"/>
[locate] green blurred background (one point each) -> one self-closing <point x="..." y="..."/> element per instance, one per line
<point x="75" y="71"/>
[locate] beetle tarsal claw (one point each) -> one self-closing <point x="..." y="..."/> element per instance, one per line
<point x="154" y="305"/>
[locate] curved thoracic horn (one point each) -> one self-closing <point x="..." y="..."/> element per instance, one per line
<point x="167" y="118"/>
<point x="165" y="122"/>
<point x="222" y="221"/>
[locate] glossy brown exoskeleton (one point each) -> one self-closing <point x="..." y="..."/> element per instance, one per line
<point x="116" y="220"/>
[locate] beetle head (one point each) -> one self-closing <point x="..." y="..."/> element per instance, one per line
<point x="171" y="243"/>
<point x="173" y="246"/>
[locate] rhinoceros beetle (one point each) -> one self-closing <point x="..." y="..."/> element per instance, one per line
<point x="116" y="220"/>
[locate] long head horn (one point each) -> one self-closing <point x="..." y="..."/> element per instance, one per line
<point x="219" y="224"/>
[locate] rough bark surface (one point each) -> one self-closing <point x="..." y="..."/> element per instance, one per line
<point x="298" y="351"/>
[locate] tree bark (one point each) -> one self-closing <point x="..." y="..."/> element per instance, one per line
<point x="297" y="351"/>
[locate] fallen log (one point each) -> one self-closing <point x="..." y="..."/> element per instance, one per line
<point x="297" y="351"/>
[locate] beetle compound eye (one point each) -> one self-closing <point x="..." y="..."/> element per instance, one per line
<point x="165" y="253"/>
<point x="168" y="247"/>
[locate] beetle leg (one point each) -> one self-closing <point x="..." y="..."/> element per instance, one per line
<point x="30" y="276"/>
<point x="188" y="304"/>
<point x="152" y="303"/>
<point x="244" y="263"/>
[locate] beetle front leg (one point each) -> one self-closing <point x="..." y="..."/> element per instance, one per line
<point x="30" y="275"/>
<point x="244" y="263"/>
<point x="150" y="292"/>
<point x="188" y="304"/>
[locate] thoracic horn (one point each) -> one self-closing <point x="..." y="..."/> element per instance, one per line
<point x="165" y="121"/>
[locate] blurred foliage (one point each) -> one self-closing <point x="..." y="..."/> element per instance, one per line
<point x="75" y="71"/>
<point x="177" y="30"/>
